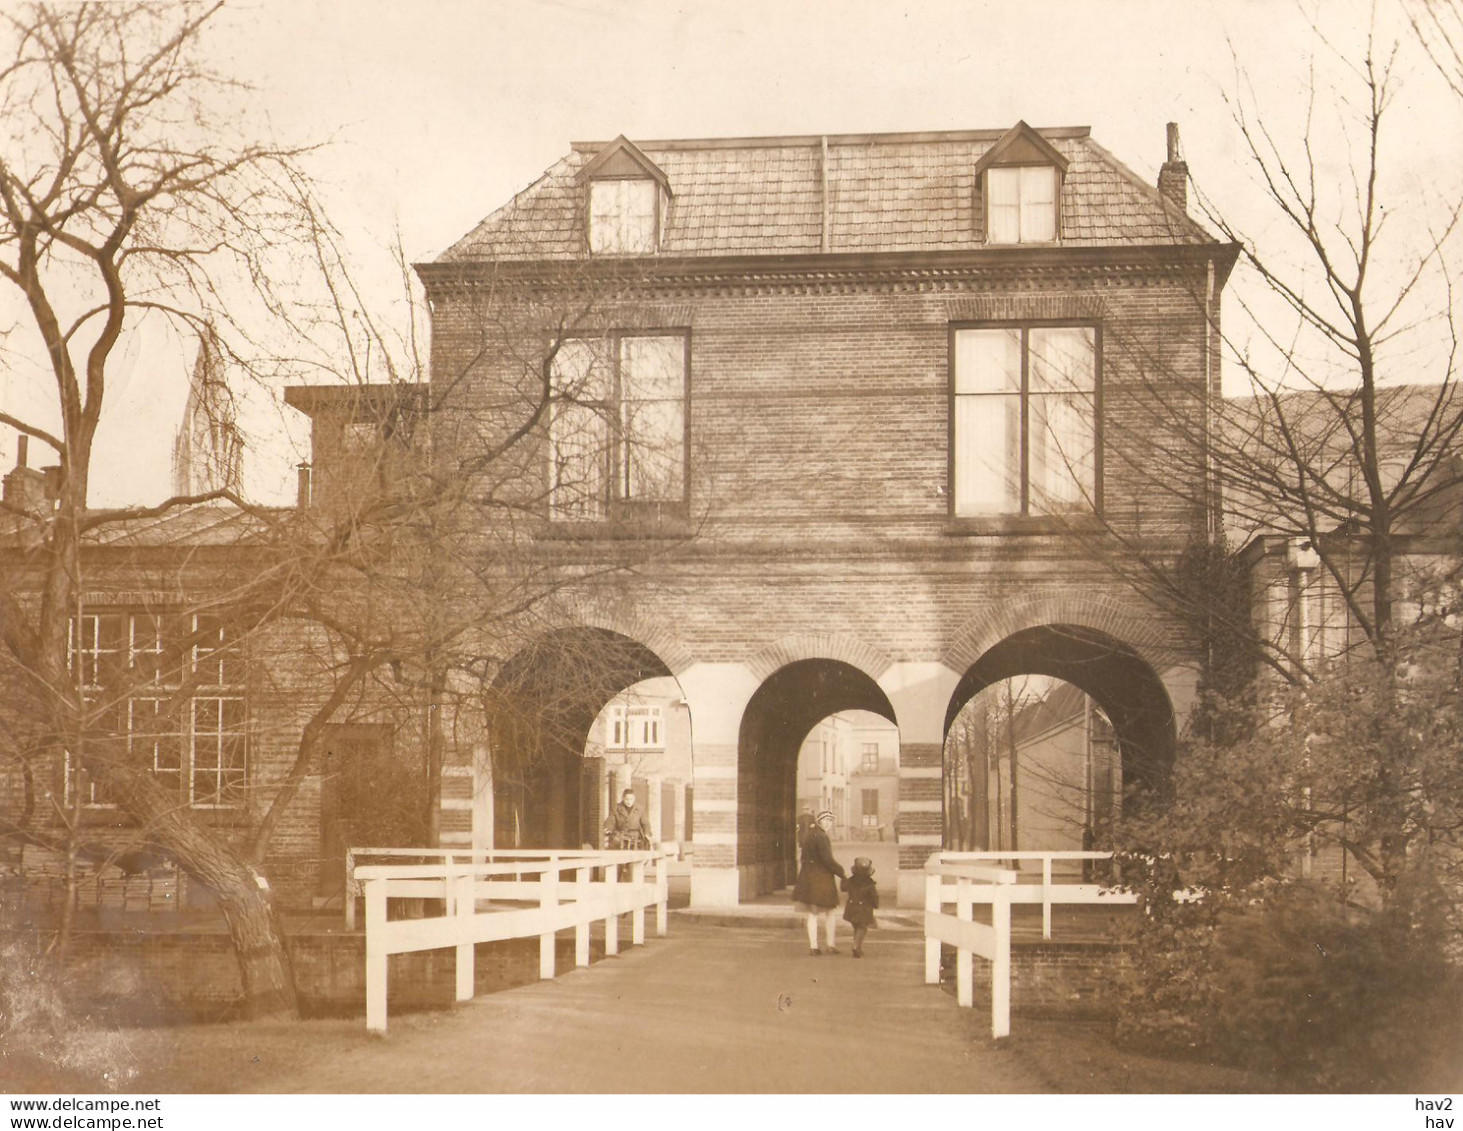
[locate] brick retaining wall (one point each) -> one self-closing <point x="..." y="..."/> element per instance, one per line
<point x="135" y="978"/>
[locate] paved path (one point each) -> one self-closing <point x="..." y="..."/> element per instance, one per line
<point x="705" y="1009"/>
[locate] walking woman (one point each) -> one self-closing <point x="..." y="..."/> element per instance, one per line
<point x="816" y="892"/>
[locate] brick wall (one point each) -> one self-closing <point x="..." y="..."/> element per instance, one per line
<point x="135" y="978"/>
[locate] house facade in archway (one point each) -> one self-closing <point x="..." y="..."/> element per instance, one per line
<point x="881" y="413"/>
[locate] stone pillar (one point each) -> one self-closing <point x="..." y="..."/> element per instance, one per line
<point x="920" y="694"/>
<point x="456" y="818"/>
<point x="482" y="798"/>
<point x="717" y="694"/>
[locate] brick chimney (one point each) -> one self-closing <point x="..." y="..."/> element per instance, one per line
<point x="1173" y="178"/>
<point x="25" y="487"/>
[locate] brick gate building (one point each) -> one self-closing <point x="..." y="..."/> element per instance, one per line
<point x="848" y="423"/>
<point x="880" y="411"/>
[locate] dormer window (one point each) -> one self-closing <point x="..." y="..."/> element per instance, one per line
<point x="622" y="217"/>
<point x="1022" y="204"/>
<point x="1019" y="189"/>
<point x="626" y="197"/>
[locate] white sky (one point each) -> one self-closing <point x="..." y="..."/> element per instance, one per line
<point x="436" y="112"/>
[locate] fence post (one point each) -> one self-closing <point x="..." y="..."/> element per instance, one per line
<point x="964" y="957"/>
<point x="612" y="920"/>
<point x="375" y="956"/>
<point x="1046" y="897"/>
<point x="637" y="916"/>
<point x="583" y="880"/>
<point x="548" y="900"/>
<point x="462" y="904"/>
<point x="351" y="890"/>
<point x="1001" y="964"/>
<point x="662" y="891"/>
<point x="932" y="946"/>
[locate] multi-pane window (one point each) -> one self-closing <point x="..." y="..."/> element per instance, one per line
<point x="622" y="217"/>
<point x="633" y="726"/>
<point x="1024" y="420"/>
<point x="617" y="429"/>
<point x="1021" y="204"/>
<point x="170" y="691"/>
<point x="870" y="757"/>
<point x="870" y="808"/>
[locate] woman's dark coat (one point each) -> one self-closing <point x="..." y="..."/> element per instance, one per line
<point x="815" y="884"/>
<point x="863" y="897"/>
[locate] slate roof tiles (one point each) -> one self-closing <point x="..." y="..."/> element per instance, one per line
<point x="885" y="193"/>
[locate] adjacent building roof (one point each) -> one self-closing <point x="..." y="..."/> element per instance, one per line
<point x="1261" y="439"/>
<point x="875" y="192"/>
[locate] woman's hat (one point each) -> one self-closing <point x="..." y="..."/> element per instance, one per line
<point x="863" y="866"/>
<point x="826" y="813"/>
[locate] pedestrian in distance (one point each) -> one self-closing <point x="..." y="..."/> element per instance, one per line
<point x="627" y="826"/>
<point x="815" y="892"/>
<point x="863" y="898"/>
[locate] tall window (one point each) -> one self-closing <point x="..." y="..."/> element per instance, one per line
<point x="622" y="217"/>
<point x="870" y="808"/>
<point x="1025" y="420"/>
<point x="618" y="424"/>
<point x="169" y="690"/>
<point x="1021" y="204"/>
<point x="634" y="726"/>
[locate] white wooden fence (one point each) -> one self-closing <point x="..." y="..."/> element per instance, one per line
<point x="968" y="878"/>
<point x="506" y="895"/>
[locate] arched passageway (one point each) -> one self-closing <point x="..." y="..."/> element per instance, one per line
<point x="541" y="708"/>
<point x="788" y="704"/>
<point x="1028" y="693"/>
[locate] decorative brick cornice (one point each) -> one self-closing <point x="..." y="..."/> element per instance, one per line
<point x="928" y="272"/>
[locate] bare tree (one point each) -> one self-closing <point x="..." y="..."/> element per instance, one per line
<point x="118" y="198"/>
<point x="1335" y="474"/>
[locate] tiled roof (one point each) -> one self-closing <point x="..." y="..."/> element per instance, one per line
<point x="885" y="193"/>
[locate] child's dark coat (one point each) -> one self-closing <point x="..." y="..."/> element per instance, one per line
<point x="863" y="897"/>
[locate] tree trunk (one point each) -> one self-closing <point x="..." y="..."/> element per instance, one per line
<point x="259" y="945"/>
<point x="244" y="895"/>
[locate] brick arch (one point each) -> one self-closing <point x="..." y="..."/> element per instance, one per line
<point x="820" y="646"/>
<point x="656" y="637"/>
<point x="1128" y="623"/>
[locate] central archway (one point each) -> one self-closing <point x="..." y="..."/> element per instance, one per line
<point x="788" y="704"/>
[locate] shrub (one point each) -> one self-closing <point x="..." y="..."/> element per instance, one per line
<point x="1331" y="997"/>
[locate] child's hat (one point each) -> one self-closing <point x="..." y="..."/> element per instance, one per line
<point x="863" y="866"/>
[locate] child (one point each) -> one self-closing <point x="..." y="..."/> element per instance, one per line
<point x="863" y="897"/>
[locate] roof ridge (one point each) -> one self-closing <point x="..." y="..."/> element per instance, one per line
<point x="791" y="141"/>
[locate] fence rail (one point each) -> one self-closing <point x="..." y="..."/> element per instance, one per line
<point x="505" y="895"/>
<point x="968" y="878"/>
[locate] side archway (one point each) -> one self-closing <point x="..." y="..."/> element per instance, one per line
<point x="1120" y="681"/>
<point x="541" y="708"/>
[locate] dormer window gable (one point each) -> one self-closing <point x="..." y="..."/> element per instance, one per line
<point x="1019" y="188"/>
<point x="626" y="195"/>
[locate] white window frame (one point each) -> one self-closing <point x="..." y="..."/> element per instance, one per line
<point x="971" y="405"/>
<point x="620" y="223"/>
<point x="1019" y="195"/>
<point x="595" y="401"/>
<point x="215" y="675"/>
